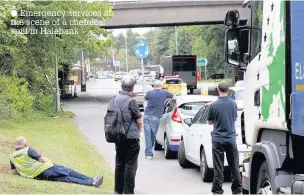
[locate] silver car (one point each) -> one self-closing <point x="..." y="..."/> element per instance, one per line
<point x="172" y="123"/>
<point x="138" y="94"/>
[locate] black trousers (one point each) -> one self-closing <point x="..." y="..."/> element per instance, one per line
<point x="126" y="166"/>
<point x="232" y="154"/>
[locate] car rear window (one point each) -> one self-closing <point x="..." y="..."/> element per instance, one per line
<point x="139" y="88"/>
<point x="190" y="109"/>
<point x="174" y="81"/>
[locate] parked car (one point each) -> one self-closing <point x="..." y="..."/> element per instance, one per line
<point x="138" y="94"/>
<point x="236" y="93"/>
<point x="196" y="144"/>
<point x="118" y="76"/>
<point x="171" y="124"/>
<point x="239" y="84"/>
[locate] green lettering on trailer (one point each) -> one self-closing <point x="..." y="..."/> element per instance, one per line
<point x="276" y="71"/>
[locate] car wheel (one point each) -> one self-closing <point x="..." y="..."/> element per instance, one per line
<point x="181" y="155"/>
<point x="264" y="181"/>
<point x="206" y="173"/>
<point x="157" y="146"/>
<point x="169" y="154"/>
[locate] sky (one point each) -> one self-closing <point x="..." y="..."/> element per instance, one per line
<point x="141" y="31"/>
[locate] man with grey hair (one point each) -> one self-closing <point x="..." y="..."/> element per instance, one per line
<point x="25" y="161"/>
<point x="153" y="112"/>
<point x="127" y="150"/>
<point x="223" y="114"/>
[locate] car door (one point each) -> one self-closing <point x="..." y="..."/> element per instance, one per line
<point x="202" y="135"/>
<point x="192" y="133"/>
<point x="161" y="130"/>
<point x="167" y="116"/>
<point x="186" y="133"/>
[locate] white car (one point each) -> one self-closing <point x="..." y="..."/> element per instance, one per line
<point x="171" y="124"/>
<point x="236" y="93"/>
<point x="196" y="144"/>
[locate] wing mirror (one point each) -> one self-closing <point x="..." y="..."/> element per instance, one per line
<point x="188" y="121"/>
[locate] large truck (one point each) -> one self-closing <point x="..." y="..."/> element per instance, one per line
<point x="269" y="50"/>
<point x="183" y="65"/>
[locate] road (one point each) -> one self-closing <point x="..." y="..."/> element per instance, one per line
<point x="156" y="176"/>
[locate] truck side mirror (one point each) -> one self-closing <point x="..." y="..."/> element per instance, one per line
<point x="237" y="51"/>
<point x="232" y="50"/>
<point x="232" y="18"/>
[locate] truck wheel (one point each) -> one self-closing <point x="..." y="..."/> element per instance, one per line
<point x="206" y="173"/>
<point x="181" y="155"/>
<point x="264" y="181"/>
<point x="157" y="146"/>
<point x="191" y="91"/>
<point x="169" y="154"/>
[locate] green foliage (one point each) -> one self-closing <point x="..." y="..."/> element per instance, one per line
<point x="25" y="59"/>
<point x="16" y="93"/>
<point x="205" y="41"/>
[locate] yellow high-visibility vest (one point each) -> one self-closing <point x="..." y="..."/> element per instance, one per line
<point x="27" y="166"/>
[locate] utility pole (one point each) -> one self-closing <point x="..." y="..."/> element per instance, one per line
<point x="127" y="68"/>
<point x="176" y="49"/>
<point x="82" y="68"/>
<point x="56" y="79"/>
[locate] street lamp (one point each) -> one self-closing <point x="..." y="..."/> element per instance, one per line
<point x="126" y="50"/>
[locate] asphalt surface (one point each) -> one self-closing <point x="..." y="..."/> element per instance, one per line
<point x="156" y="176"/>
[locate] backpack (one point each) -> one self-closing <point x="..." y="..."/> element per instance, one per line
<point x="113" y="127"/>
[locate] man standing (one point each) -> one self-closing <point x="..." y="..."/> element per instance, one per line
<point x="26" y="162"/>
<point x="153" y="112"/>
<point x="127" y="150"/>
<point x="223" y="114"/>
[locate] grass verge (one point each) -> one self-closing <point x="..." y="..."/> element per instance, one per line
<point x="59" y="140"/>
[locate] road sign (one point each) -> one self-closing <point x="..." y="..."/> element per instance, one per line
<point x="202" y="61"/>
<point x="142" y="49"/>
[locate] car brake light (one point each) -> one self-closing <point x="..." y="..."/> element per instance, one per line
<point x="175" y="140"/>
<point x="133" y="95"/>
<point x="176" y="117"/>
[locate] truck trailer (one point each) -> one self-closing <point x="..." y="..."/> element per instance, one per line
<point x="183" y="65"/>
<point x="269" y="50"/>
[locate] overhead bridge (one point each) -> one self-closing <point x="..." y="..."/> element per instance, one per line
<point x="156" y="13"/>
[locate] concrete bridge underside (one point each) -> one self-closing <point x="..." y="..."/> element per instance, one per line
<point x="173" y="13"/>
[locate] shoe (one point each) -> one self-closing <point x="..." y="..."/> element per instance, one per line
<point x="149" y="157"/>
<point x="97" y="181"/>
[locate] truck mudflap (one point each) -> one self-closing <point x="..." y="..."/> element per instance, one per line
<point x="245" y="171"/>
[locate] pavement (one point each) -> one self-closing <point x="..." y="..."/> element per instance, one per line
<point x="156" y="176"/>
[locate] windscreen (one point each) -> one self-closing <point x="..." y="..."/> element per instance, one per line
<point x="186" y="64"/>
<point x="236" y="95"/>
<point x="190" y="109"/>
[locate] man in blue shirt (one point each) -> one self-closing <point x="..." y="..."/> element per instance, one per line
<point x="153" y="112"/>
<point x="223" y="114"/>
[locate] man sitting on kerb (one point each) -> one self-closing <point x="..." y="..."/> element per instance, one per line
<point x="25" y="161"/>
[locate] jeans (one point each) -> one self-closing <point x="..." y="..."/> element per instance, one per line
<point x="232" y="154"/>
<point x="151" y="124"/>
<point x="126" y="166"/>
<point x="63" y="174"/>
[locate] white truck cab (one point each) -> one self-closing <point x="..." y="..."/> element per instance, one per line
<point x="269" y="49"/>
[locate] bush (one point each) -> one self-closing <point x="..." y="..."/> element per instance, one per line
<point x="15" y="96"/>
